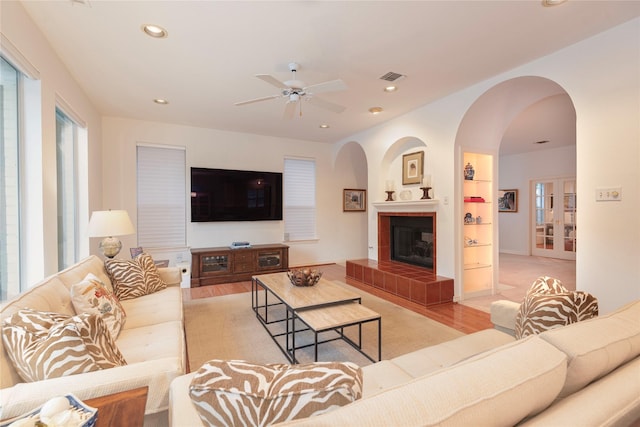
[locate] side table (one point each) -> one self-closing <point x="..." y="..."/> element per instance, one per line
<point x="123" y="409"/>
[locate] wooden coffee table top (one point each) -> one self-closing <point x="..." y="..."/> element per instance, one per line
<point x="336" y="316"/>
<point x="323" y="293"/>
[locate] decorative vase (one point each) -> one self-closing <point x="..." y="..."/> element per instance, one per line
<point x="469" y="172"/>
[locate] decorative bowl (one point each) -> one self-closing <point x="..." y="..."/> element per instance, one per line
<point x="304" y="276"/>
<point x="80" y="415"/>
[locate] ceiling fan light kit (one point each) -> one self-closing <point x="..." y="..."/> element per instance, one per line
<point x="295" y="90"/>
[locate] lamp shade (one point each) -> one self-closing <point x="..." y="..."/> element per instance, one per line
<point x="110" y="223"/>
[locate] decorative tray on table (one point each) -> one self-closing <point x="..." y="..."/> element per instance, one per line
<point x="65" y="411"/>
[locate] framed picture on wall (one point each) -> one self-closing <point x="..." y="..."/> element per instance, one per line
<point x="412" y="168"/>
<point x="507" y="200"/>
<point x="354" y="200"/>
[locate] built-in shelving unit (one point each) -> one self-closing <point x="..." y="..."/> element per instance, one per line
<point x="477" y="219"/>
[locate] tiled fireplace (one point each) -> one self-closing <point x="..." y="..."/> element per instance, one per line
<point x="406" y="265"/>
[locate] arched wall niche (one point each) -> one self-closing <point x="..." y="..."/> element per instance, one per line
<point x="481" y="130"/>
<point x="391" y="163"/>
<point x="352" y="172"/>
<point x="351" y="157"/>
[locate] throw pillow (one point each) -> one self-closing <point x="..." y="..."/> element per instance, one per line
<point x="92" y="296"/>
<point x="546" y="285"/>
<point x="230" y="393"/>
<point x="541" y="312"/>
<point x="134" y="278"/>
<point x="44" y="345"/>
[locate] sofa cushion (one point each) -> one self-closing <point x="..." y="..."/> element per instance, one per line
<point x="92" y="296"/>
<point x="541" y="312"/>
<point x="498" y="387"/>
<point x="239" y="393"/>
<point x="44" y="345"/>
<point x="597" y="346"/>
<point x="433" y="358"/>
<point x="134" y="278"/>
<point x="152" y="309"/>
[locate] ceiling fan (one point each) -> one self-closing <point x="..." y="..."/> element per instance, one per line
<point x="294" y="91"/>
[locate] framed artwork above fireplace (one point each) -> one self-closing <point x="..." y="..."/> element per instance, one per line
<point x="412" y="168"/>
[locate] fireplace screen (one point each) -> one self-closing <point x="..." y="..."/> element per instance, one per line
<point x="412" y="240"/>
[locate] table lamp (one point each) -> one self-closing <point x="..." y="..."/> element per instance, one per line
<point x="110" y="223"/>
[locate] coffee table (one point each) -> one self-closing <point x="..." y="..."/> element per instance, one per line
<point x="320" y="308"/>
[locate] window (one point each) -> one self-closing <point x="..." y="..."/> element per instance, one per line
<point x="299" y="199"/>
<point x="10" y="182"/>
<point x="162" y="206"/>
<point x="67" y="172"/>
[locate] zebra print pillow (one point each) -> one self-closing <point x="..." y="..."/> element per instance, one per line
<point x="546" y="285"/>
<point x="541" y="312"/>
<point x="44" y="345"/>
<point x="231" y="393"/>
<point x="134" y="278"/>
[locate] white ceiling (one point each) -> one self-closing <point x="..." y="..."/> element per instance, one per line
<point x="215" y="48"/>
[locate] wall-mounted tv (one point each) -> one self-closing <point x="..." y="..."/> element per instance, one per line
<point x="235" y="195"/>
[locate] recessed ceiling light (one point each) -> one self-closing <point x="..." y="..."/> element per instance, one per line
<point x="155" y="31"/>
<point x="161" y="101"/>
<point x="375" y="110"/>
<point x="324" y="126"/>
<point x="390" y="88"/>
<point x="550" y="3"/>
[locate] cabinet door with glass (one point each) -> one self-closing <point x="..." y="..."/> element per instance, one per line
<point x="555" y="211"/>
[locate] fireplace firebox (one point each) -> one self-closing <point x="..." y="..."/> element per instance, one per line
<point x="412" y="240"/>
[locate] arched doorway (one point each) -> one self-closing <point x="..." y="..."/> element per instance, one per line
<point x="502" y="112"/>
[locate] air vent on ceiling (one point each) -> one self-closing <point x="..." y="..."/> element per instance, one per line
<point x="392" y="77"/>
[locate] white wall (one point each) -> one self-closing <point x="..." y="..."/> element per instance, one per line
<point x="602" y="77"/>
<point x="55" y="84"/>
<point x="340" y="235"/>
<point x="517" y="171"/>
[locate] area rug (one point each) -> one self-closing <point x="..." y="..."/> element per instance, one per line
<point x="226" y="327"/>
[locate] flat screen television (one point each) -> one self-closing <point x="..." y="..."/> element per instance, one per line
<point x="235" y="195"/>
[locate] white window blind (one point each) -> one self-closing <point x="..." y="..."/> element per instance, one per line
<point x="299" y="199"/>
<point x="162" y="217"/>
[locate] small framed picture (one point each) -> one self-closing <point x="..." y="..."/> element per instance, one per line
<point x="354" y="200"/>
<point x="135" y="251"/>
<point x="412" y="168"/>
<point x="507" y="200"/>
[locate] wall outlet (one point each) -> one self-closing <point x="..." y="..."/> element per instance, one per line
<point x="610" y="194"/>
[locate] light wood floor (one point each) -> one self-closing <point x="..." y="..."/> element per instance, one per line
<point x="463" y="318"/>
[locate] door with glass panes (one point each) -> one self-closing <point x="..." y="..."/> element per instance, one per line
<point x="554" y="212"/>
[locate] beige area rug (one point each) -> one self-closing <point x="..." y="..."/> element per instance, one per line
<point x="227" y="328"/>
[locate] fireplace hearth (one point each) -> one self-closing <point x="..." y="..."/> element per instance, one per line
<point x="406" y="276"/>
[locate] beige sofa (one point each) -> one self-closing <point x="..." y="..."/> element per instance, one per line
<point x="584" y="374"/>
<point x="151" y="340"/>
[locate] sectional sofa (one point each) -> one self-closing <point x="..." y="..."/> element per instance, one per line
<point x="583" y="374"/>
<point x="151" y="341"/>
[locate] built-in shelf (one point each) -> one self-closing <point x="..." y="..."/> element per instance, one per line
<point x="478" y="257"/>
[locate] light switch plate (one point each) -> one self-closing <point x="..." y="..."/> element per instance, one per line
<point x="609" y="194"/>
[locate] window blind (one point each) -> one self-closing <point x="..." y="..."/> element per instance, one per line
<point x="299" y="199"/>
<point x="162" y="217"/>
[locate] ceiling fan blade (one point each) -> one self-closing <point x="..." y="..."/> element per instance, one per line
<point x="326" y="104"/>
<point x="251" y="101"/>
<point x="271" y="80"/>
<point x="330" y="86"/>
<point x="289" y="109"/>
